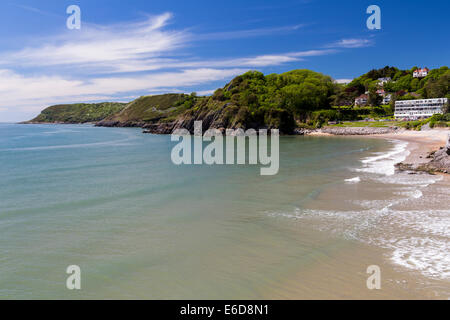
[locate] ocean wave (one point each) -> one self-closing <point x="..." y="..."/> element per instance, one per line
<point x="430" y="256"/>
<point x="413" y="193"/>
<point x="419" y="180"/>
<point x="353" y="180"/>
<point x="384" y="162"/>
<point x="418" y="240"/>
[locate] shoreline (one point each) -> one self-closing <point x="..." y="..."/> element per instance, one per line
<point x="401" y="278"/>
<point x="421" y="144"/>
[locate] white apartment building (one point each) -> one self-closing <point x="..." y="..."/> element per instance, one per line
<point x="421" y="108"/>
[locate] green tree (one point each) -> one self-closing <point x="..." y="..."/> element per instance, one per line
<point x="374" y="99"/>
<point x="438" y="88"/>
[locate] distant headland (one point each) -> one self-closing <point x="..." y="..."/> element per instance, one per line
<point x="293" y="102"/>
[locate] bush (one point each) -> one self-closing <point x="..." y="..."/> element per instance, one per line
<point x="441" y="124"/>
<point x="440" y="117"/>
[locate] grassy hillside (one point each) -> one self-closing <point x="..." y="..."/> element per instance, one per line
<point x="253" y="100"/>
<point x="154" y="108"/>
<point x="78" y="113"/>
<point x="284" y="101"/>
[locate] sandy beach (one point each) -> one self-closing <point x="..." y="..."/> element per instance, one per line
<point x="420" y="143"/>
<point x="415" y="226"/>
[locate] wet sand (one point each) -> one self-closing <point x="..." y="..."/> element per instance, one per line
<point x="344" y="276"/>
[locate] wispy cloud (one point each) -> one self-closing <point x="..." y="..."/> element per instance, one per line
<point x="108" y="46"/>
<point x="136" y="47"/>
<point x="125" y="60"/>
<point x="18" y="90"/>
<point x="352" y="43"/>
<point x="35" y="10"/>
<point x="239" y="34"/>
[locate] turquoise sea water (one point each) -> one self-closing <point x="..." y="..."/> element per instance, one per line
<point x="110" y="201"/>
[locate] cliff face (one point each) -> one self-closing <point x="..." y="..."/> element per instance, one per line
<point x="219" y="115"/>
<point x="251" y="100"/>
<point x="78" y="113"/>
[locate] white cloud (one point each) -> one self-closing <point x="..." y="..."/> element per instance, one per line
<point x="124" y="60"/>
<point x="136" y="47"/>
<point x="104" y="47"/>
<point x="239" y="34"/>
<point x="30" y="93"/>
<point x="255" y="61"/>
<point x="352" y="43"/>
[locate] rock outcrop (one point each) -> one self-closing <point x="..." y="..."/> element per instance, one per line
<point x="221" y="115"/>
<point x="441" y="159"/>
<point x="440" y="162"/>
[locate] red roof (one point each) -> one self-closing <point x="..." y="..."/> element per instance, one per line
<point x="422" y="70"/>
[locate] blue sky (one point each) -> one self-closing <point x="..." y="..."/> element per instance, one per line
<point x="126" y="49"/>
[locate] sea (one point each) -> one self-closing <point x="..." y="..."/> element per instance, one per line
<point x="111" y="202"/>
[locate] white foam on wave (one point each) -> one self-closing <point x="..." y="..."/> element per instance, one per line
<point x="353" y="180"/>
<point x="430" y="256"/>
<point x="419" y="180"/>
<point x="384" y="162"/>
<point x="419" y="240"/>
<point x="411" y="194"/>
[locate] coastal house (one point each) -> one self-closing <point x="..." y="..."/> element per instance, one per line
<point x="362" y="100"/>
<point x="387" y="98"/>
<point x="421" y="73"/>
<point x="419" y="109"/>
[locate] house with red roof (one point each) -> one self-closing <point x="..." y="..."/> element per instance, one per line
<point x="421" y="73"/>
<point x="362" y="100"/>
